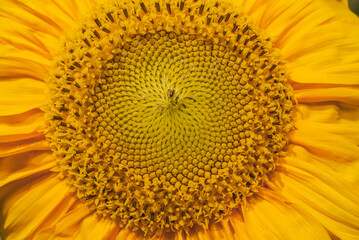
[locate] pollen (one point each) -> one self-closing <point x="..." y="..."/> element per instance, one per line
<point x="167" y="114"/>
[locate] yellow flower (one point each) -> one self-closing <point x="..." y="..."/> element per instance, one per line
<point x="185" y="119"/>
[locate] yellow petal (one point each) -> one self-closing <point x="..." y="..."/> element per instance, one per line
<point x="323" y="113"/>
<point x="324" y="142"/>
<point x="343" y="128"/>
<point x="21" y="95"/>
<point x="93" y="225"/>
<point x="17" y="64"/>
<point x="324" y="195"/>
<point x="337" y="4"/>
<point x="23" y="54"/>
<point x="198" y="233"/>
<point x="54" y="17"/>
<point x="19" y="41"/>
<point x="35" y="15"/>
<point x="343" y="177"/>
<point x="126" y="234"/>
<point x="344" y="2"/>
<point x="327" y="113"/>
<point x="31" y="32"/>
<point x="67" y="226"/>
<point x="12" y="148"/>
<point x="327" y="52"/>
<point x="33" y="204"/>
<point x="269" y="218"/>
<point x="220" y="230"/>
<point x="330" y="119"/>
<point x="239" y="226"/>
<point x="341" y="8"/>
<point x="336" y="211"/>
<point x="348" y="95"/>
<point x="22" y="126"/>
<point x="26" y="164"/>
<point x="74" y="10"/>
<point x="326" y="56"/>
<point x="19" y="137"/>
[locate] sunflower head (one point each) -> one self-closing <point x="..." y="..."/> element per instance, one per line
<point x="179" y="119"/>
<point x="165" y="115"/>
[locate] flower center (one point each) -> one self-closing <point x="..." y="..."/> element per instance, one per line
<point x="164" y="115"/>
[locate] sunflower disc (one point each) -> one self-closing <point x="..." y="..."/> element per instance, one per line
<point x="167" y="114"/>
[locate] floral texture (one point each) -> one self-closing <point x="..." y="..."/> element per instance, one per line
<point x="184" y="119"/>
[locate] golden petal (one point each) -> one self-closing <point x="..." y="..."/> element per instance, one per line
<point x="15" y="101"/>
<point x="324" y="193"/>
<point x="22" y="126"/>
<point x="12" y="148"/>
<point x="267" y="217"/>
<point x="26" y="211"/>
<point x="19" y="166"/>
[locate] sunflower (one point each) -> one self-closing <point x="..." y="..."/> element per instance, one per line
<point x="184" y="119"/>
